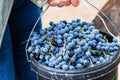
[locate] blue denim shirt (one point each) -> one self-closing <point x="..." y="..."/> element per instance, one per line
<point x="5" y="9"/>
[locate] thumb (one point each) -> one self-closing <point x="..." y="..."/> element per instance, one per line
<point x="75" y="3"/>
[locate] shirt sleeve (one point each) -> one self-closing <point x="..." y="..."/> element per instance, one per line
<point x="5" y="8"/>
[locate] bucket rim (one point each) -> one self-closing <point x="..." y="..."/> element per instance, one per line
<point x="114" y="62"/>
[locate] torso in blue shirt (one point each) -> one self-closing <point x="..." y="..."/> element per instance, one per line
<point x="23" y="16"/>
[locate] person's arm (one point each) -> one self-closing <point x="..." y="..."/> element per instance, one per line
<point x="5" y="8"/>
<point x="59" y="3"/>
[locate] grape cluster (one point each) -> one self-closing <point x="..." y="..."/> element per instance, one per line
<point x="74" y="45"/>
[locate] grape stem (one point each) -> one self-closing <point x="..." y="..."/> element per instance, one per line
<point x="91" y="63"/>
<point x="64" y="50"/>
<point x="72" y="58"/>
<point x="41" y="52"/>
<point x="104" y="53"/>
<point x="51" y="53"/>
<point x="50" y="43"/>
<point x="105" y="38"/>
<point x="24" y="41"/>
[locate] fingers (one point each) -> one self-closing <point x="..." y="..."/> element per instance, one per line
<point x="61" y="3"/>
<point x="75" y="3"/>
<point x="66" y="2"/>
<point x="53" y="2"/>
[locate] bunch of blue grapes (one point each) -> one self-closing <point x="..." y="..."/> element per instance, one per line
<point x="74" y="45"/>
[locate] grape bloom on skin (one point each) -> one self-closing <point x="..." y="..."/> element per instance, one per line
<point x="72" y="45"/>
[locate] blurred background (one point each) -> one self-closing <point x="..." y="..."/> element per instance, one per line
<point x="69" y="13"/>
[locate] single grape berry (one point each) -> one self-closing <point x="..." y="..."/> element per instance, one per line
<point x="37" y="50"/>
<point x="86" y="62"/>
<point x="41" y="57"/>
<point x="71" y="67"/>
<point x="65" y="67"/>
<point x="79" y="66"/>
<point x="30" y="49"/>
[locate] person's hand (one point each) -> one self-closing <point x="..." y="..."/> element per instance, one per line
<point x="61" y="3"/>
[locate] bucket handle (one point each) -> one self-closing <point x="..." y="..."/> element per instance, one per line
<point x="105" y="25"/>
